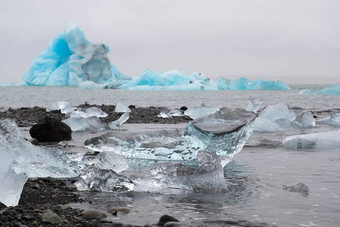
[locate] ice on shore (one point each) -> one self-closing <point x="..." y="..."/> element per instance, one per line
<point x="20" y="159"/>
<point x="274" y="118"/>
<point x="333" y="120"/>
<point x="121" y="107"/>
<point x="63" y="106"/>
<point x="78" y="124"/>
<point x="88" y="112"/>
<point x="223" y="133"/>
<point x="202" y="111"/>
<point x="313" y="141"/>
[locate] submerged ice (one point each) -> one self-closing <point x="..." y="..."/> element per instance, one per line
<point x="71" y="60"/>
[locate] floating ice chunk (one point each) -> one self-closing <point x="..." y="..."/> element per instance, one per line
<point x="122" y="108"/>
<point x="89" y="112"/>
<point x="224" y="132"/>
<point x="307" y="91"/>
<point x="300" y="187"/>
<point x="115" y="125"/>
<point x="107" y="180"/>
<point x="274" y="118"/>
<point x="245" y="84"/>
<point x="63" y="106"/>
<point x="253" y="104"/>
<point x="333" y="120"/>
<point x="330" y="90"/>
<point x="305" y="121"/>
<point x="84" y="124"/>
<point x="202" y="111"/>
<point x="313" y="141"/>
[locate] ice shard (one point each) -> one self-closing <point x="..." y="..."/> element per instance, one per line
<point x="122" y="108"/>
<point x="89" y="112"/>
<point x="92" y="123"/>
<point x="63" y="106"/>
<point x="20" y="159"/>
<point x="224" y="132"/>
<point x="202" y="111"/>
<point x="313" y="141"/>
<point x="253" y="104"/>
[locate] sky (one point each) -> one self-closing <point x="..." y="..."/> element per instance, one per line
<point x="295" y="41"/>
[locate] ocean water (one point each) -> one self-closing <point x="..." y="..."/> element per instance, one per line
<point x="255" y="177"/>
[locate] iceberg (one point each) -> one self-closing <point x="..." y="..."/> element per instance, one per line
<point x="245" y="84"/>
<point x="70" y="60"/>
<point x="313" y="141"/>
<point x="330" y="90"/>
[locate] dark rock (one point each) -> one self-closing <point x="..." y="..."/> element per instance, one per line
<point x="51" y="130"/>
<point x="94" y="214"/>
<point x="166" y="218"/>
<point x="183" y="109"/>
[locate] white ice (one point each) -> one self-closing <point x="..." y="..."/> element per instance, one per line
<point x="202" y="111"/>
<point x="313" y="141"/>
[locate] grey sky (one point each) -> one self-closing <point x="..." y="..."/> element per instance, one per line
<point x="296" y="41"/>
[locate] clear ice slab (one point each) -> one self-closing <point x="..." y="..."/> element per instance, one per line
<point x="333" y="120"/>
<point x="313" y="141"/>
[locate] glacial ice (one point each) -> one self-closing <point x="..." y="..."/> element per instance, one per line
<point x="78" y="124"/>
<point x="198" y="112"/>
<point x="121" y="107"/>
<point x="333" y="120"/>
<point x="89" y="112"/>
<point x="306" y="120"/>
<point x="71" y="60"/>
<point x="313" y="141"/>
<point x="63" y="106"/>
<point x="21" y="159"/>
<point x="223" y="133"/>
<point x="330" y="90"/>
<point x="274" y="118"/>
<point x="253" y="104"/>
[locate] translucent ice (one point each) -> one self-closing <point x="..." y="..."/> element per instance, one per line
<point x="202" y="111"/>
<point x="107" y="180"/>
<point x="115" y="125"/>
<point x="224" y="132"/>
<point x="314" y="141"/>
<point x="333" y="120"/>
<point x="106" y="160"/>
<point x="63" y="106"/>
<point x="11" y="182"/>
<point x="70" y="59"/>
<point x="84" y="124"/>
<point x="122" y="108"/>
<point x="89" y="112"/>
<point x="253" y="104"/>
<point x="274" y="118"/>
<point x="21" y="159"/>
<point x="305" y="121"/>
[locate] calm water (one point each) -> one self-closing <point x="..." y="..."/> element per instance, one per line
<point x="255" y="177"/>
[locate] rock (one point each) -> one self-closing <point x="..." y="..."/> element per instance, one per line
<point x="94" y="214"/>
<point x="165" y="219"/>
<point x="173" y="224"/>
<point x="300" y="187"/>
<point x="51" y="130"/>
<point x="51" y="217"/>
<point x="119" y="210"/>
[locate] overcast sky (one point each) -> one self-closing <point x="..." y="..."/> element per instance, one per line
<point x="296" y="41"/>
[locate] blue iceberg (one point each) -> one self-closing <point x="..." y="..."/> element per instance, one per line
<point x="71" y="60"/>
<point x="330" y="90"/>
